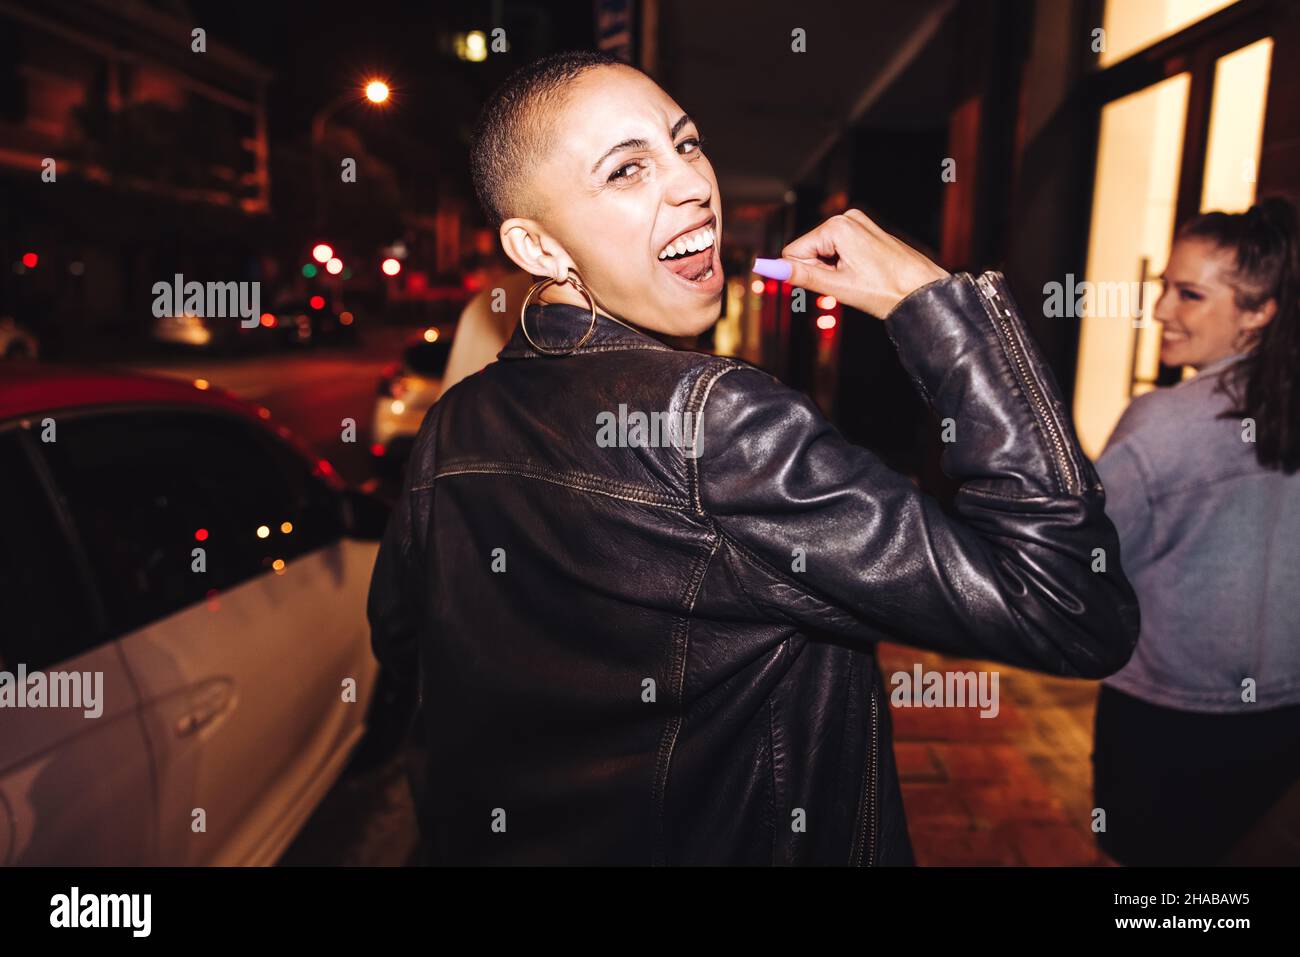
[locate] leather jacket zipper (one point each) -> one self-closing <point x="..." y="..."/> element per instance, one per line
<point x="1042" y="410"/>
<point x="865" y="839"/>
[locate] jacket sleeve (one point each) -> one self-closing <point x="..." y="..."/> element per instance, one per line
<point x="820" y="532"/>
<point x="398" y="593"/>
<point x="390" y="607"/>
<point x="1128" y="503"/>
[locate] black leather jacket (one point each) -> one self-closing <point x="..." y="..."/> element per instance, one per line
<point x="664" y="654"/>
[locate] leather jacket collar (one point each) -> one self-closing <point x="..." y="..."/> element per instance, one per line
<point x="558" y="325"/>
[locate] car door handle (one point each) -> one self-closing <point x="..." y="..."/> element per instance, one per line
<point x="211" y="702"/>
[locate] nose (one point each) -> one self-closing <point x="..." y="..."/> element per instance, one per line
<point x="688" y="183"/>
<point x="1164" y="309"/>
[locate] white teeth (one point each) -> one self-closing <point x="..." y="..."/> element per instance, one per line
<point x="693" y="243"/>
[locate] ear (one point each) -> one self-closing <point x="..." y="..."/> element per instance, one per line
<point x="1253" y="322"/>
<point x="534" y="250"/>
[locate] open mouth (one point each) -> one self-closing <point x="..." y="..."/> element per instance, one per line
<point x="691" y="254"/>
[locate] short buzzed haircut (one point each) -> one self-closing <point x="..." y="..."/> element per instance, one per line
<point x="512" y="131"/>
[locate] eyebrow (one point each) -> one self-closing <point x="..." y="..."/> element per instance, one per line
<point x="637" y="143"/>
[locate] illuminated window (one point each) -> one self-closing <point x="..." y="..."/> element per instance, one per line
<point x="1236" y="127"/>
<point x="1134" y="199"/>
<point x="1131" y="25"/>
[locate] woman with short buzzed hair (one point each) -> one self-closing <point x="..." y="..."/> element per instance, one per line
<point x="656" y="645"/>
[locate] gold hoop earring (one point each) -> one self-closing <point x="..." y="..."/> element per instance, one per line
<point x="534" y="290"/>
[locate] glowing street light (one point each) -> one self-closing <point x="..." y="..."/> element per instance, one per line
<point x="391" y="266"/>
<point x="334" y="266"/>
<point x="376" y="92"/>
<point x="472" y="46"/>
<point x="322" y="252"/>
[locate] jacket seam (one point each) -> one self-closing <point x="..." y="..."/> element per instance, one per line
<point x="771" y="760"/>
<point x="586" y="350"/>
<point x="1145" y="476"/>
<point x="765" y="566"/>
<point x="580" y="481"/>
<point x="729" y="558"/>
<point x="1189" y="695"/>
<point x="1010" y="496"/>
<point x="697" y="416"/>
<point x="672" y="728"/>
<point x="1154" y="497"/>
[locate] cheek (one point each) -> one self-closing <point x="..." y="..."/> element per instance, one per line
<point x="614" y="245"/>
<point x="599" y="260"/>
<point x="1211" y="322"/>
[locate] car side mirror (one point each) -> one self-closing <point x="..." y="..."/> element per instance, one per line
<point x="365" y="515"/>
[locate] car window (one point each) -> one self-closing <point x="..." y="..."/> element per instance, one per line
<point x="145" y="489"/>
<point x="48" y="614"/>
<point x="428" y="358"/>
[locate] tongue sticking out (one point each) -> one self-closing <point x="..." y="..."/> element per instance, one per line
<point x="691" y="266"/>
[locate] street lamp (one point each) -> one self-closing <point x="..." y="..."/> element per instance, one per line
<point x="374" y="91"/>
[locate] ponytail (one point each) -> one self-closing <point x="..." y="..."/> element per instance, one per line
<point x="1265" y="385"/>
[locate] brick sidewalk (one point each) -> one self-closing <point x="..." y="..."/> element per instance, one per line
<point x="1014" y="789"/>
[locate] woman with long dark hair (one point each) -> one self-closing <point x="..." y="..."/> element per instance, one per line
<point x="1199" y="735"/>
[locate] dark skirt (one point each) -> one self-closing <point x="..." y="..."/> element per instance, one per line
<point x="1183" y="787"/>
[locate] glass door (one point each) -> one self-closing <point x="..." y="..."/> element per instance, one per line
<point x="1135" y="193"/>
<point x="1188" y="141"/>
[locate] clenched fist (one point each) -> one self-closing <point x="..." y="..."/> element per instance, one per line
<point x="854" y="260"/>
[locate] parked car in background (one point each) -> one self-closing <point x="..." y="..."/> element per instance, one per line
<point x="315" y="320"/>
<point x="163" y="535"/>
<point x="219" y="335"/>
<point x="406" y="391"/>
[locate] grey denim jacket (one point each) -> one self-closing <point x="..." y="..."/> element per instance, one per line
<point x="1211" y="543"/>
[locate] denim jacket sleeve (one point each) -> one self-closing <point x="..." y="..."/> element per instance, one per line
<point x="1009" y="577"/>
<point x="1128" y="503"/>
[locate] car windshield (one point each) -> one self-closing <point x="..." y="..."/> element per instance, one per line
<point x="427" y="358"/>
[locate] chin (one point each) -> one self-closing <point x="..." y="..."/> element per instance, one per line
<point x="690" y="328"/>
<point x="1176" y="353"/>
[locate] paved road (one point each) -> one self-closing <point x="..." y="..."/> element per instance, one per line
<point x="367" y="818"/>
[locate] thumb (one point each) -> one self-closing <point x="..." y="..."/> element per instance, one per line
<point x="810" y="274"/>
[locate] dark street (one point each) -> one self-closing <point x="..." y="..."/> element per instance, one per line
<point x="745" y="434"/>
